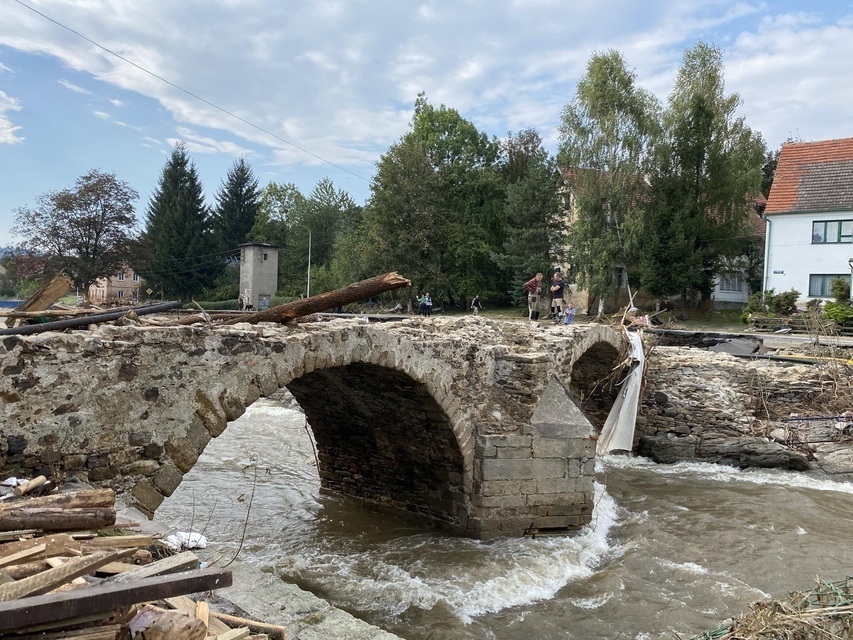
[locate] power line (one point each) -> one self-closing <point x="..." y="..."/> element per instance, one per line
<point x="190" y="93"/>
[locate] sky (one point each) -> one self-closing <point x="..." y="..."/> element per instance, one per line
<point x="314" y="89"/>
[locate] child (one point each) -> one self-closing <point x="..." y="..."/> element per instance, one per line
<point x="569" y="314"/>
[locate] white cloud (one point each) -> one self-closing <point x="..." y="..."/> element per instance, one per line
<point x="103" y="115"/>
<point x="73" y="87"/>
<point x="8" y="130"/>
<point x="340" y="80"/>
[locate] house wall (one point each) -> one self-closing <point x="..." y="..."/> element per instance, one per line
<point x="791" y="257"/>
<point x="113" y="290"/>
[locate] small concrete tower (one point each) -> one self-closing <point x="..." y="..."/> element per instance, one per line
<point x="258" y="274"/>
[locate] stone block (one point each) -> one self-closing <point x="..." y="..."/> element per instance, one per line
<point x="551" y="448"/>
<point x="168" y="479"/>
<point x="138" y="438"/>
<point x="140" y="468"/>
<point x="74" y="461"/>
<point x="513" y="453"/>
<point x="198" y="434"/>
<point x="153" y="451"/>
<point x="494" y="469"/>
<point x="146" y="497"/>
<point x="211" y="413"/>
<point x="182" y="452"/>
<point x="99" y="474"/>
<point x="506" y="487"/>
<point x="15" y="444"/>
<point x="557" y="485"/>
<point x="499" y="502"/>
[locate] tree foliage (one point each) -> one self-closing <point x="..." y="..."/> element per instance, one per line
<point x="436" y="207"/>
<point x="707" y="170"/>
<point x="535" y="234"/>
<point x="86" y="230"/>
<point x="179" y="255"/>
<point x="236" y="206"/>
<point x="606" y="135"/>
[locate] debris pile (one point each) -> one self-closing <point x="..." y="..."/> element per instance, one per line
<point x="824" y="613"/>
<point x="68" y="570"/>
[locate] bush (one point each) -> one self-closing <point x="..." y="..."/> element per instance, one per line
<point x="840" y="312"/>
<point x="779" y="304"/>
<point x="840" y="289"/>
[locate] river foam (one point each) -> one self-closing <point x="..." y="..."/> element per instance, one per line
<point x="467" y="577"/>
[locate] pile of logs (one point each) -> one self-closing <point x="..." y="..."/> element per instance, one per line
<point x="67" y="571"/>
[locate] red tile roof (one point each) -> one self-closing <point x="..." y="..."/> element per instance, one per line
<point x="813" y="176"/>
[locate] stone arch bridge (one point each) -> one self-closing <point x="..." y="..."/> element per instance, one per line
<point x="470" y="423"/>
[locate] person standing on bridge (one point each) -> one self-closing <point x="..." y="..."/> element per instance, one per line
<point x="476" y="305"/>
<point x="533" y="287"/>
<point x="558" y="289"/>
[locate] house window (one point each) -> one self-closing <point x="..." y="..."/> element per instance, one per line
<point x="136" y="277"/>
<point x="121" y="277"/>
<point x="732" y="281"/>
<point x="832" y="232"/>
<point x="265" y="256"/>
<point x="819" y="284"/>
<point x="120" y="293"/>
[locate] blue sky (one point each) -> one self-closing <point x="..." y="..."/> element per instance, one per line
<point x="339" y="78"/>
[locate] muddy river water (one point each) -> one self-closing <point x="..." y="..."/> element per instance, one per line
<point x="672" y="549"/>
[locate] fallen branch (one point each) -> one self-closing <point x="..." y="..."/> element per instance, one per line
<point x="315" y="304"/>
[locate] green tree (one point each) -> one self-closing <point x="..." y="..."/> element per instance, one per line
<point x="436" y="209"/>
<point x="708" y="169"/>
<point x="535" y="234"/>
<point x="179" y="251"/>
<point x="236" y="206"/>
<point x="606" y="135"/>
<point x="86" y="230"/>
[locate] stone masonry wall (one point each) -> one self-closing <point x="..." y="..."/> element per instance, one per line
<point x="698" y="404"/>
<point x="134" y="407"/>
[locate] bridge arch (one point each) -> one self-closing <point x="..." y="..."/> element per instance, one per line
<point x="595" y="368"/>
<point x="387" y="429"/>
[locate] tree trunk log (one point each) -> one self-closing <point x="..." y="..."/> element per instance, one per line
<point x="315" y="304"/>
<point x="70" y="500"/>
<point x="56" y="518"/>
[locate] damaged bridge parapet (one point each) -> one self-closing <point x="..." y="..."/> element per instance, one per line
<point x="471" y="424"/>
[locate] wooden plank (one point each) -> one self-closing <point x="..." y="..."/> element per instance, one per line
<point x="59" y="544"/>
<point x="13" y="558"/>
<point x="185" y="604"/>
<point x="273" y="630"/>
<point x="185" y="561"/>
<point x="202" y="612"/>
<point x="52" y="578"/>
<point x="17" y="614"/>
<point x="113" y="568"/>
<point x="119" y="542"/>
<point x="58" y="562"/>
<point x="234" y="634"/>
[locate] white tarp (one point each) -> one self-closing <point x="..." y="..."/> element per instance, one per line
<point x="618" y="431"/>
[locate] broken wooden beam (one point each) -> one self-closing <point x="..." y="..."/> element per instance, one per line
<point x="289" y="311"/>
<point x="25" y="612"/>
<point x="52" y="578"/>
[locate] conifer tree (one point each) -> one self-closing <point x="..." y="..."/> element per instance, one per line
<point x="236" y="206"/>
<point x="179" y="255"/>
<point x="535" y="227"/>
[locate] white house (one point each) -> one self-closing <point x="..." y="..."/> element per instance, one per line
<point x="809" y="217"/>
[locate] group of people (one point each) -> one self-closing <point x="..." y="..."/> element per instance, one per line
<point x="425" y="305"/>
<point x="560" y="311"/>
